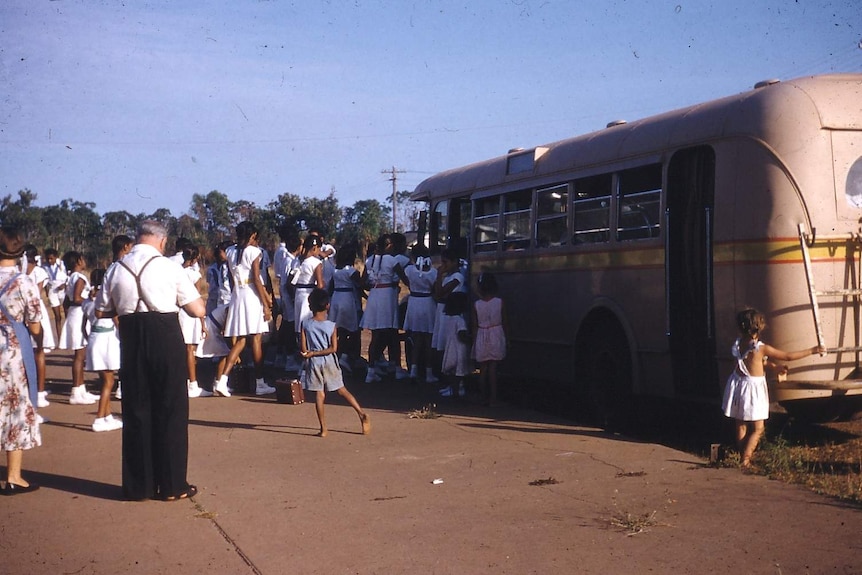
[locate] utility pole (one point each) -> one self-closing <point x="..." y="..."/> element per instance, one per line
<point x="393" y="178"/>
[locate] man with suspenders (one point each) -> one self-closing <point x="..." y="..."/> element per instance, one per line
<point x="146" y="290"/>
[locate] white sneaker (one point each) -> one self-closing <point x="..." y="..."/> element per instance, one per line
<point x="261" y="388"/>
<point x="220" y="387"/>
<point x="194" y="389"/>
<point x="80" y="396"/>
<point x="205" y="393"/>
<point x="42" y="399"/>
<point x="40" y="420"/>
<point x="93" y="396"/>
<point x="113" y="423"/>
<point x="119" y="393"/>
<point x="101" y="424"/>
<point x="429" y="376"/>
<point x="372" y="376"/>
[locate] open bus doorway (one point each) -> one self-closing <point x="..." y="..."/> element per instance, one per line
<point x="690" y="305"/>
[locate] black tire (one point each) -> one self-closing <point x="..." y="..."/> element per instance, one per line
<point x="604" y="371"/>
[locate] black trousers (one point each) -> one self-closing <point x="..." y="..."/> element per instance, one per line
<point x="153" y="373"/>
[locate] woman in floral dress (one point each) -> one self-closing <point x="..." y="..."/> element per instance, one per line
<point x="18" y="427"/>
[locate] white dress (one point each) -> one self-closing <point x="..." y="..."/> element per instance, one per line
<point x="41" y="279"/>
<point x="342" y="308"/>
<point x="438" y="342"/>
<point x="746" y="397"/>
<point x="72" y="335"/>
<point x="245" y="311"/>
<point x="421" y="308"/>
<point x="103" y="343"/>
<point x="381" y="309"/>
<point x="214" y="344"/>
<point x="305" y="283"/>
<point x="191" y="327"/>
<point x="456" y="356"/>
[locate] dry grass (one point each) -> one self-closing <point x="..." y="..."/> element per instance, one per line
<point x="826" y="458"/>
<point x="634" y="524"/>
<point x="427" y="412"/>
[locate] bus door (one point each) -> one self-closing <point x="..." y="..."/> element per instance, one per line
<point x="688" y="257"/>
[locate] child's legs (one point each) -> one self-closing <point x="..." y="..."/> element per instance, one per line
<point x="492" y="380"/>
<point x="755" y="432"/>
<point x="78" y="367"/>
<point x="191" y="361"/>
<point x="342" y="391"/>
<point x="343" y="339"/>
<point x="39" y="354"/>
<point x="233" y="356"/>
<point x="58" y="319"/>
<point x="220" y="367"/>
<point x="374" y="346"/>
<point x="107" y="379"/>
<point x="319" y="399"/>
<point x="393" y="343"/>
<point x="257" y="353"/>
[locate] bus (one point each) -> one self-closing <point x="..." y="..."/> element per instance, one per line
<point x="623" y="255"/>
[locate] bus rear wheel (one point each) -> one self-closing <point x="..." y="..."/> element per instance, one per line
<point x="604" y="370"/>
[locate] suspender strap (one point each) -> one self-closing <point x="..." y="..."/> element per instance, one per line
<point x="137" y="276"/>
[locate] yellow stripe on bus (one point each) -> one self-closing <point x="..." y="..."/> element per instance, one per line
<point x="781" y="251"/>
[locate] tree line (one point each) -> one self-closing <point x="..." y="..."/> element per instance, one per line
<point x="211" y="218"/>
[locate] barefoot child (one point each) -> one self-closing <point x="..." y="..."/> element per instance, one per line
<point x="746" y="397"/>
<point x="319" y="347"/>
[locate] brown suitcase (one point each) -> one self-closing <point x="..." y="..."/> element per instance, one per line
<point x="289" y="391"/>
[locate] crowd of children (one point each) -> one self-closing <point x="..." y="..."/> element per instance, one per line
<point x="320" y="305"/>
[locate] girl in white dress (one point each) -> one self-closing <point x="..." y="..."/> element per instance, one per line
<point x="746" y="397"/>
<point x="192" y="327"/>
<point x="45" y="343"/>
<point x="309" y="275"/>
<point x="72" y="334"/>
<point x="449" y="280"/>
<point x="456" y="357"/>
<point x="250" y="307"/>
<point x="489" y="346"/>
<point x="103" y="354"/>
<point x="380" y="277"/>
<point x="346" y="282"/>
<point x="421" y="311"/>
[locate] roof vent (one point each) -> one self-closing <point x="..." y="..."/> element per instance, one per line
<point x="615" y="123"/>
<point x="765" y="83"/>
<point x="515" y="150"/>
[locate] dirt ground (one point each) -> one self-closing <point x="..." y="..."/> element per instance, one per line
<point x="477" y="490"/>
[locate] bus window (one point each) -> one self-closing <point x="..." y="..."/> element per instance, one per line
<point x="592" y="208"/>
<point x="639" y="203"/>
<point x="487" y="224"/>
<point x="552" y="225"/>
<point x="439" y="227"/>
<point x="516" y="220"/>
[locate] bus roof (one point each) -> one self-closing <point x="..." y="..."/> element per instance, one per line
<point x="831" y="101"/>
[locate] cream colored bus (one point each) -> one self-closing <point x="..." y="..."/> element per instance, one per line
<point x="623" y="255"/>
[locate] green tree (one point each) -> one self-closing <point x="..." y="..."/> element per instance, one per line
<point x="213" y="213"/>
<point x="363" y="222"/>
<point x="24" y="215"/>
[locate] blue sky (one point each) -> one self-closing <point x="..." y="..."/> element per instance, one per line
<point x="137" y="105"/>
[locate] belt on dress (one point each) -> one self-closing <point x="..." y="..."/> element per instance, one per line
<point x="101" y="329"/>
<point x="419" y="294"/>
<point x="306" y="286"/>
<point x="344" y="289"/>
<point x="389" y="285"/>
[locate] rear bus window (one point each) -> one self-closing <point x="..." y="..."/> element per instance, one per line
<point x="639" y="203"/>
<point x="591" y="207"/>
